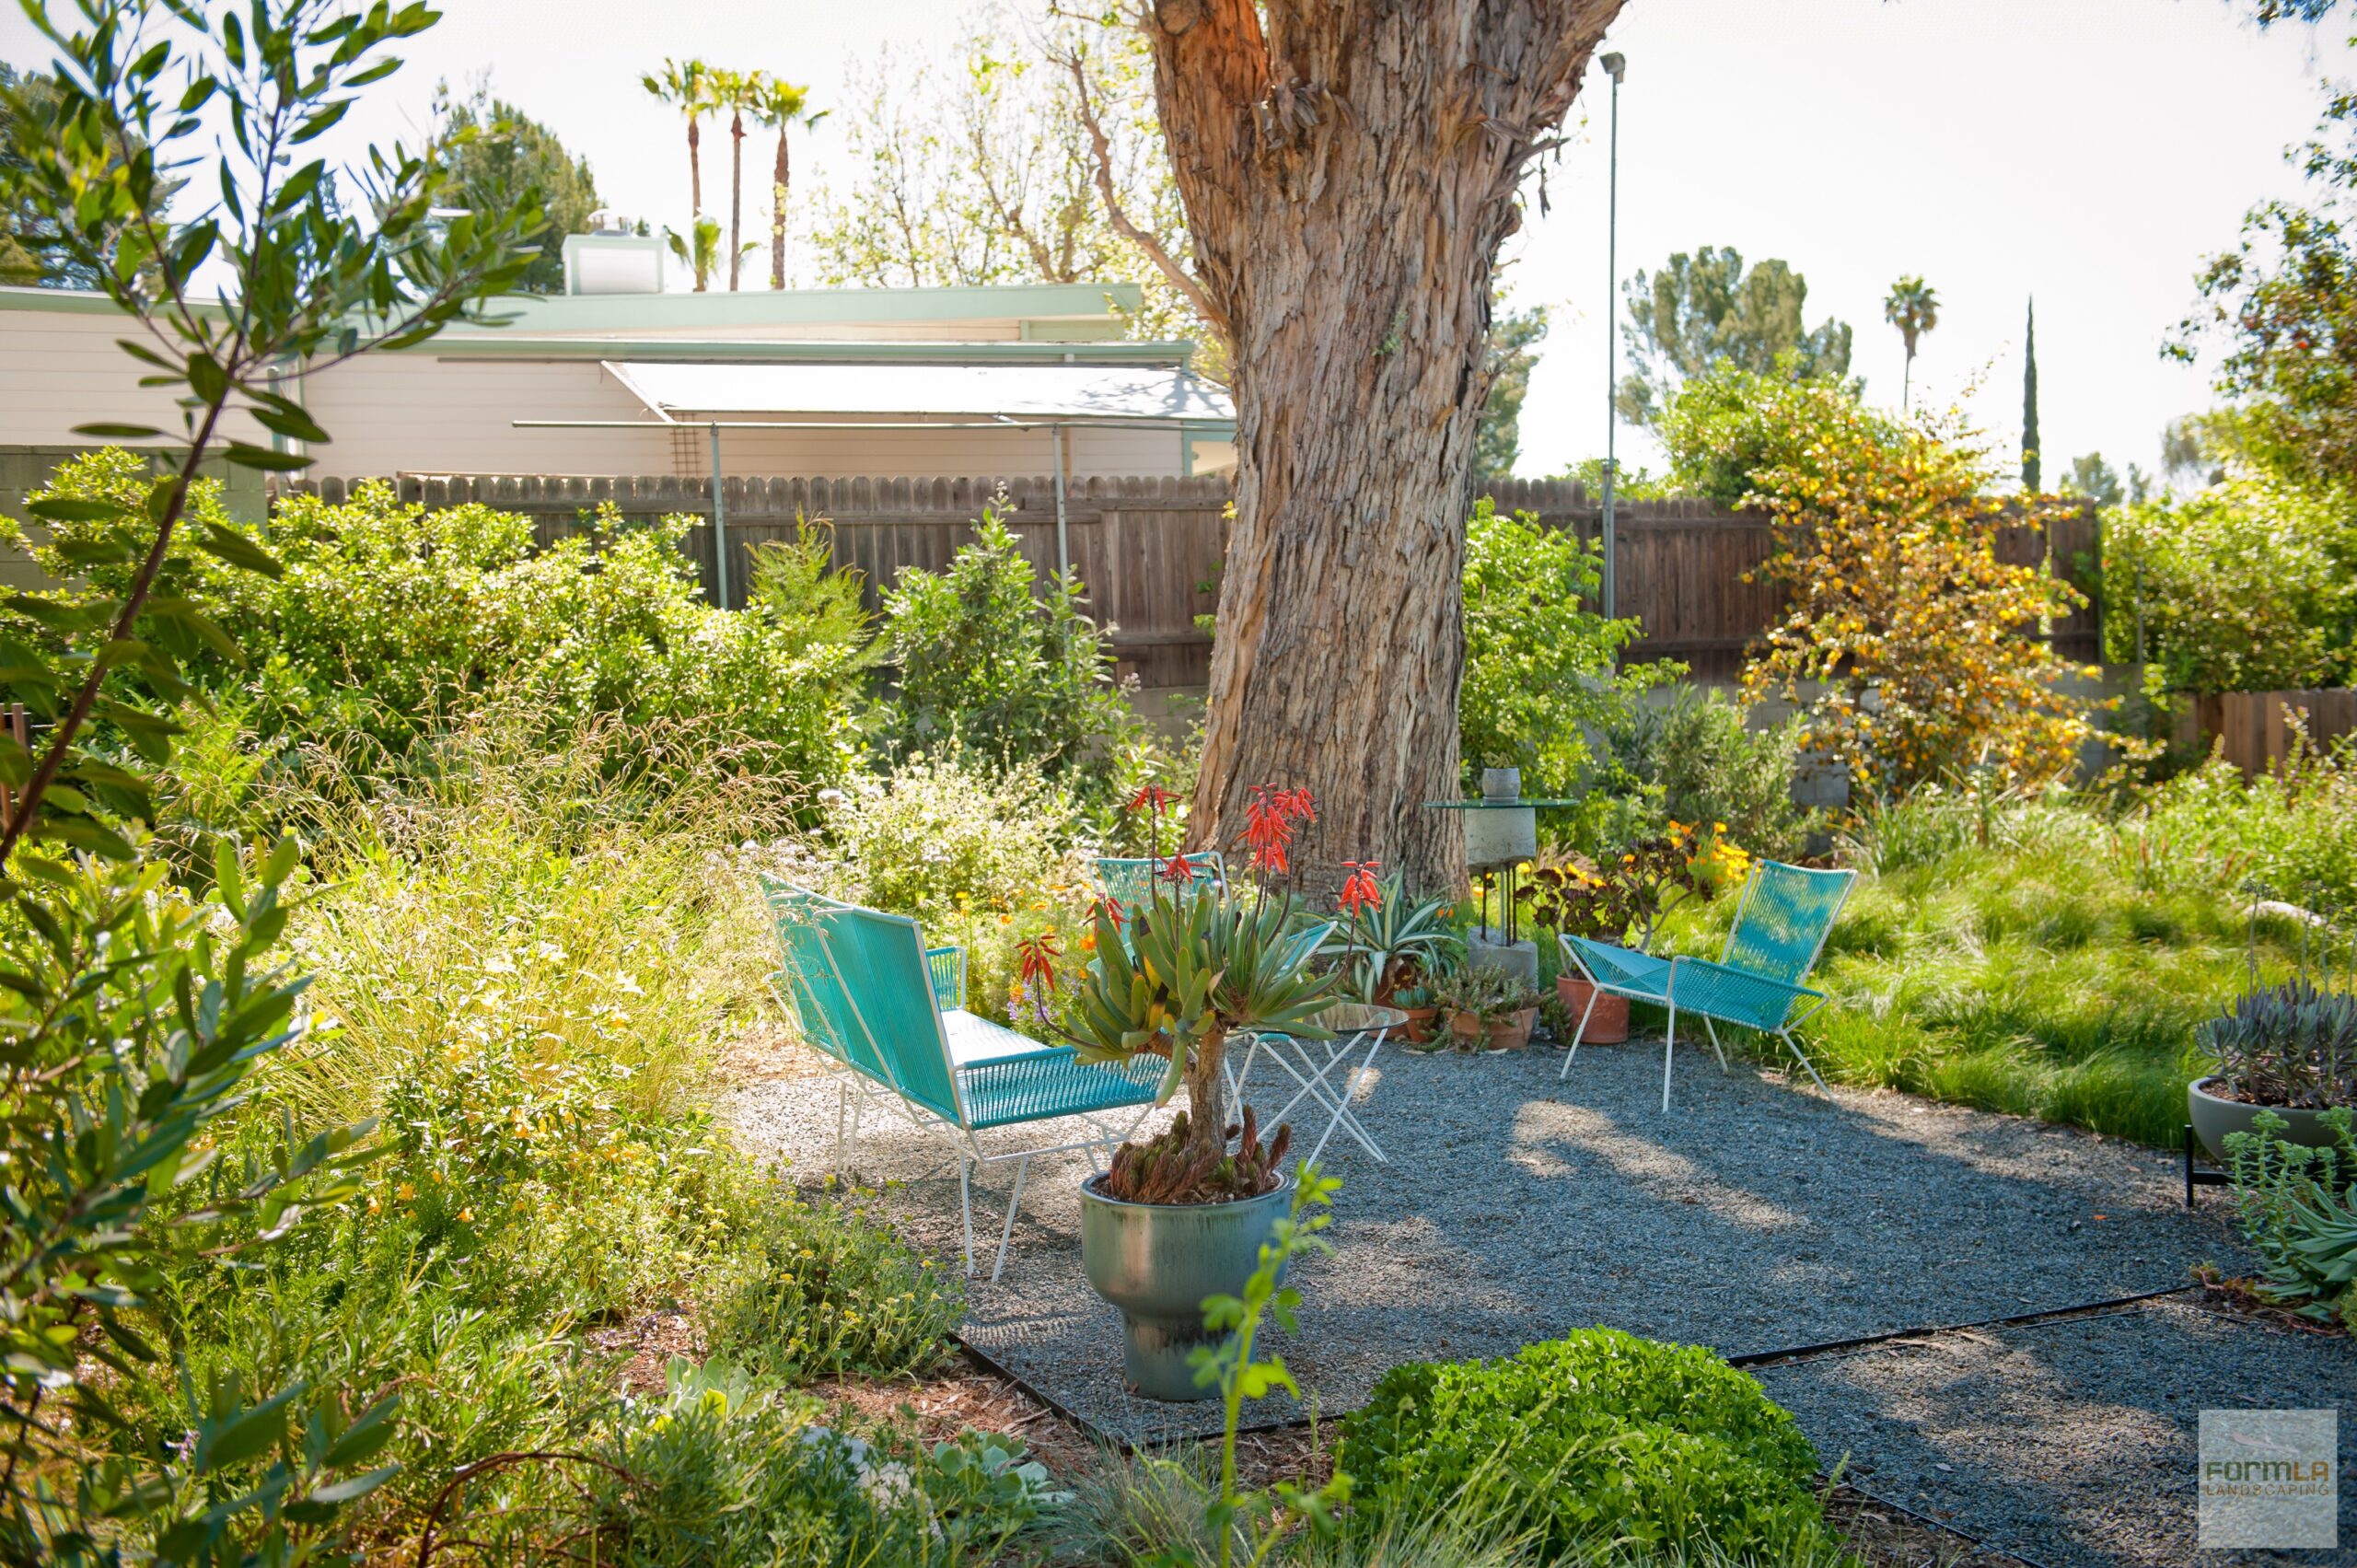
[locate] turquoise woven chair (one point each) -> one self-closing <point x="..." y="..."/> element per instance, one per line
<point x="1131" y="882"/>
<point x="1779" y="928"/>
<point x="888" y="1012"/>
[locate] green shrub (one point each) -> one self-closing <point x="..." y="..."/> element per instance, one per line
<point x="983" y="664"/>
<point x="2297" y="1207"/>
<point x="1729" y="424"/>
<point x="2288" y="829"/>
<point x="942" y="835"/>
<point x="724" y="1470"/>
<point x="1692" y="760"/>
<point x="388" y="617"/>
<point x="1539" y="662"/>
<point x="1598" y="1436"/>
<point x="818" y="1291"/>
<point x="2246" y="587"/>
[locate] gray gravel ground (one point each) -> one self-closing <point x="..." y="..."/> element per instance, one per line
<point x="2071" y="1442"/>
<point x="1753" y="1217"/>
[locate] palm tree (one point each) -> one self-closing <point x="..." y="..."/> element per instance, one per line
<point x="736" y="91"/>
<point x="1914" y="310"/>
<point x="702" y="253"/>
<point x="780" y="106"/>
<point x="686" y="85"/>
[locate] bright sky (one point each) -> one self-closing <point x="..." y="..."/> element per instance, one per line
<point x="2090" y="152"/>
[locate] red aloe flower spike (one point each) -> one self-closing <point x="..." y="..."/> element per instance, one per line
<point x="1177" y="870"/>
<point x="1152" y="797"/>
<point x="1267" y="827"/>
<point x="1361" y="891"/>
<point x="1299" y="803"/>
<point x="1111" y="908"/>
<point x="1038" y="967"/>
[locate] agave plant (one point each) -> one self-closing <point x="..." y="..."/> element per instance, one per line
<point x="1195" y="966"/>
<point x="1392" y="942"/>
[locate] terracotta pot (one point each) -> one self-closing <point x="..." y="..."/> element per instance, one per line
<point x="1466" y="1028"/>
<point x="1608" y="1025"/>
<point x="1511" y="1032"/>
<point x="1420" y="1025"/>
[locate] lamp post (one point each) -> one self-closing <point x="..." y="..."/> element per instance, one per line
<point x="1615" y="66"/>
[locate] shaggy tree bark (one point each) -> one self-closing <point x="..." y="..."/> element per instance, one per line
<point x="1349" y="175"/>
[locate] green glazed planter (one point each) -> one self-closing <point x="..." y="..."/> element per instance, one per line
<point x="1157" y="1261"/>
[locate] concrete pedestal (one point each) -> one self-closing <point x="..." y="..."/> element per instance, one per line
<point x="1518" y="958"/>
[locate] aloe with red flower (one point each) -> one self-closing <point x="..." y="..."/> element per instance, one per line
<point x="1388" y="941"/>
<point x="1198" y="963"/>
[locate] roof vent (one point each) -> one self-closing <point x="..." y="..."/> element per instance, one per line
<point x="613" y="261"/>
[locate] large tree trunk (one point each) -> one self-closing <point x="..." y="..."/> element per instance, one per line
<point x="1348" y="178"/>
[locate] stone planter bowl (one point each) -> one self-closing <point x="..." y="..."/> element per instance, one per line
<point x="2214" y="1116"/>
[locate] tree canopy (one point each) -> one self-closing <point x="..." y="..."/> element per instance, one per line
<point x="507" y="154"/>
<point x="1704" y="310"/>
<point x="989" y="167"/>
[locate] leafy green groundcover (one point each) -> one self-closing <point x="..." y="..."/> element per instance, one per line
<point x="1599" y="1436"/>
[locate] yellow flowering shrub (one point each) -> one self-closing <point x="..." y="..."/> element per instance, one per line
<point x="1921" y="644"/>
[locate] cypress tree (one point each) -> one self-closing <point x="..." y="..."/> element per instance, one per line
<point x="2030" y="401"/>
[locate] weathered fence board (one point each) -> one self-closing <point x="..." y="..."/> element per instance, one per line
<point x="2253" y="729"/>
<point x="1149" y="549"/>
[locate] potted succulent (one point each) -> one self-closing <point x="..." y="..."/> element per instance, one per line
<point x="1489" y="1008"/>
<point x="1181" y="1216"/>
<point x="1389" y="944"/>
<point x="1620" y="899"/>
<point x="2291" y="1048"/>
<point x="1422" y="1010"/>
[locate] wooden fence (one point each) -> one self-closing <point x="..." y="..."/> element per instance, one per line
<point x="1149" y="550"/>
<point x="2254" y="728"/>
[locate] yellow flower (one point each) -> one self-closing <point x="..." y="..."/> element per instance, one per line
<point x="466" y="1217"/>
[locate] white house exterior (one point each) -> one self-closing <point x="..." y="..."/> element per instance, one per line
<point x="880" y="383"/>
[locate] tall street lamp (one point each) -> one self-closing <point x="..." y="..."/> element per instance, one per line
<point x="1615" y="66"/>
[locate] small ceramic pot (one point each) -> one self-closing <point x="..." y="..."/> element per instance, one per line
<point x="1420" y="1025"/>
<point x="1607" y="1024"/>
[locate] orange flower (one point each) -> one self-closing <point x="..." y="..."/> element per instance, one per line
<point x="1361" y="891"/>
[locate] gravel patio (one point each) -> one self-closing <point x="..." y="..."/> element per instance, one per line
<point x="1756" y="1218"/>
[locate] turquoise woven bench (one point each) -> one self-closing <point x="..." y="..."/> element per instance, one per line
<point x="888" y="1012"/>
<point x="1779" y="928"/>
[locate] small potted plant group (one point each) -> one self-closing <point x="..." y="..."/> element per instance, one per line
<point x="1391" y="948"/>
<point x="1488" y="1008"/>
<point x="1620" y="898"/>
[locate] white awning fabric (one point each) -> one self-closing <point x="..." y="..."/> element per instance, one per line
<point x="1029" y="393"/>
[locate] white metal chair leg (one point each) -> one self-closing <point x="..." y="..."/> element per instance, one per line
<point x="1713" y="1030"/>
<point x="842" y="1115"/>
<point x="1345" y="1118"/>
<point x="1006" y="1233"/>
<point x="851" y="1151"/>
<point x="966" y="1204"/>
<point x="1580" y="1033"/>
<point x="1668" y="1049"/>
<point x="1794" y="1047"/>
